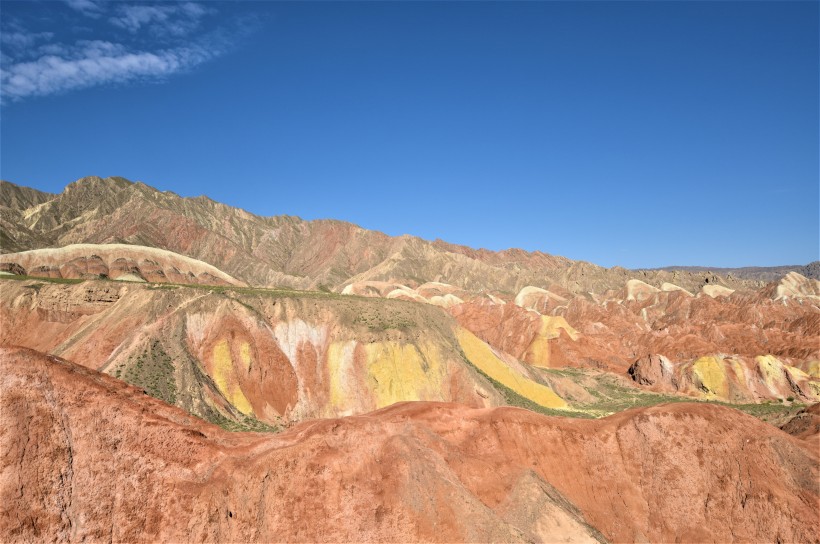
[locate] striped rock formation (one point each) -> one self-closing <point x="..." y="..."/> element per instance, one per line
<point x="115" y="261"/>
<point x="276" y="357"/>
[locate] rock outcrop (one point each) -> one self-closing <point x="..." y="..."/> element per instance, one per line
<point x="805" y="425"/>
<point x="795" y="286"/>
<point x="654" y="370"/>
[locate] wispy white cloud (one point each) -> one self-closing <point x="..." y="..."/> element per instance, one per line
<point x="95" y="63"/>
<point x="136" y="42"/>
<point x="175" y="19"/>
<point x="22" y="39"/>
<point x="89" y="8"/>
<point x="161" y="39"/>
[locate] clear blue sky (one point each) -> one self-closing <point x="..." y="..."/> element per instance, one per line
<point x="636" y="134"/>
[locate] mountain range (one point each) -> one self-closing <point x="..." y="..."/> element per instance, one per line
<point x="286" y="251"/>
<point x="271" y="378"/>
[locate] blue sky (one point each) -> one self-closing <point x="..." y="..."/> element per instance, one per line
<point x="623" y="133"/>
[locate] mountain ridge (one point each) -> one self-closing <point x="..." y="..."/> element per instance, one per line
<point x="287" y="251"/>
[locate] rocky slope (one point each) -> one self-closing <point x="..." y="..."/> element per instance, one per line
<point x="14" y="201"/>
<point x="275" y="357"/>
<point x="411" y="472"/>
<point x="805" y="424"/>
<point x="736" y="346"/>
<point x="115" y="261"/>
<point x="758" y="273"/>
<point x="729" y="378"/>
<point x="287" y="251"/>
<point x="279" y="356"/>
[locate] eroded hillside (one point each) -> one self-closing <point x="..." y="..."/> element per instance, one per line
<point x="411" y="472"/>
<point x="120" y="262"/>
<point x="263" y="355"/>
<point x="735" y="346"/>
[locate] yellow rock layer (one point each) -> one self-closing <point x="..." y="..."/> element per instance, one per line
<point x="394" y="372"/>
<point x="796" y="373"/>
<point x="711" y="373"/>
<point x="551" y="326"/>
<point x="245" y="354"/>
<point x="538" y="352"/>
<point x="224" y="375"/>
<point x="771" y="369"/>
<point x="482" y="356"/>
<point x="400" y="372"/>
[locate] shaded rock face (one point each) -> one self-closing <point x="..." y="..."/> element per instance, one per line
<point x="12" y="268"/>
<point x="14" y="234"/>
<point x="414" y="471"/>
<point x="653" y="370"/>
<point x="805" y="424"/>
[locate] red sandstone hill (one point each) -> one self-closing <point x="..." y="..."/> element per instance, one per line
<point x="614" y="331"/>
<point x="277" y="357"/>
<point x="87" y="457"/>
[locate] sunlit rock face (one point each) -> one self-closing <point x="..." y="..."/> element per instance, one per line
<point x="114" y="261"/>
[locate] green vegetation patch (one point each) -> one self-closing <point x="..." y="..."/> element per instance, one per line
<point x="383" y="321"/>
<point x="39" y="279"/>
<point x="511" y="398"/>
<point x="161" y="286"/>
<point x="773" y="412"/>
<point x="612" y="397"/>
<point x="262" y="291"/>
<point x="244" y="424"/>
<point x="152" y="370"/>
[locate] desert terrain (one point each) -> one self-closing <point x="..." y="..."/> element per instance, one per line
<point x="174" y="369"/>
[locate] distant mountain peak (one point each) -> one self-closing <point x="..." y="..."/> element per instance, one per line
<point x="287" y="251"/>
